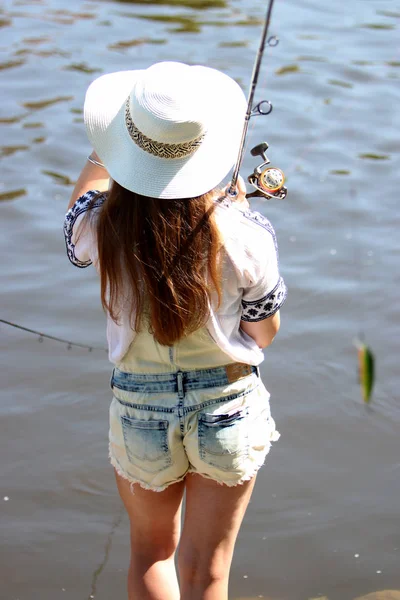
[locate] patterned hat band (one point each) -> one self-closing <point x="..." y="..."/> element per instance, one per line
<point x="159" y="149"/>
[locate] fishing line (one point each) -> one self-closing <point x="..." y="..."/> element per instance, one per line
<point x="42" y="336"/>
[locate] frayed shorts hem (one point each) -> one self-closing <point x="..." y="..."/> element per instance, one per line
<point x="143" y="484"/>
<point x="160" y="488"/>
<point x="233" y="483"/>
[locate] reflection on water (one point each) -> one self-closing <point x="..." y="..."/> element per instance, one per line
<point x="237" y="44"/>
<point x="378" y="26"/>
<point x="312" y="58"/>
<point x="194" y="24"/>
<point x="388" y="13"/>
<point x="5" y="22"/>
<point x="42" y="53"/>
<point x="10" y="64"/>
<point x="123" y="45"/>
<point x="185" y="24"/>
<point x="32" y="125"/>
<point x="344" y="84"/>
<point x="45" y="103"/>
<point x="362" y="63"/>
<point x="81" y="68"/>
<point x="287" y="69"/>
<point x="35" y="41"/>
<point x="5" y="120"/>
<point x="11" y="195"/>
<point x="59" y="177"/>
<point x="9" y="150"/>
<point x="196" y="4"/>
<point x="372" y="156"/>
<point x="59" y="17"/>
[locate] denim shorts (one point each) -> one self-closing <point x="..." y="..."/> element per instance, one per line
<point x="164" y="426"/>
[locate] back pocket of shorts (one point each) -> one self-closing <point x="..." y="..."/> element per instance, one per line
<point x="223" y="439"/>
<point x="146" y="443"/>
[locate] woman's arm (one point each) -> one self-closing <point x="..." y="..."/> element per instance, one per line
<point x="262" y="332"/>
<point x="92" y="177"/>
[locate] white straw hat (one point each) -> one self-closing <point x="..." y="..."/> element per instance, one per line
<point x="169" y="131"/>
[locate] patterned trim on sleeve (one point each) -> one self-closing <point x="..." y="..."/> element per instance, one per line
<point x="83" y="204"/>
<point x="258" y="310"/>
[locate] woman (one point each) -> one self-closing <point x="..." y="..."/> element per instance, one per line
<point x="192" y="291"/>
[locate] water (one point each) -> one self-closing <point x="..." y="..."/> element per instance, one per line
<point x="324" y="519"/>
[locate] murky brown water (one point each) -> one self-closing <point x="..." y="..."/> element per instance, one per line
<point x="324" y="519"/>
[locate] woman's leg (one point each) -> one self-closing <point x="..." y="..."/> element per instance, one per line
<point x="155" y="527"/>
<point x="213" y="515"/>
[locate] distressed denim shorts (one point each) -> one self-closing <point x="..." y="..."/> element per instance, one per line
<point x="164" y="426"/>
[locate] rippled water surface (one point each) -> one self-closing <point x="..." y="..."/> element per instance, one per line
<point x="324" y="519"/>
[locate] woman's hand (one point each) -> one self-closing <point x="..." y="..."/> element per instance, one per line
<point x="240" y="200"/>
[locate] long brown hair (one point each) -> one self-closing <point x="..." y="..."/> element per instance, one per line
<point x="166" y="253"/>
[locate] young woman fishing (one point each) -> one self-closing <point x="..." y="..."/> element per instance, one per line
<point x="191" y="288"/>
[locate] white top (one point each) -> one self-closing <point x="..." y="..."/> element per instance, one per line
<point x="252" y="288"/>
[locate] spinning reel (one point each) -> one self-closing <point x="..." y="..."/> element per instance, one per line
<point x="268" y="181"/>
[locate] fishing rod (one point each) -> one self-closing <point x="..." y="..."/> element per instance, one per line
<point x="268" y="181"/>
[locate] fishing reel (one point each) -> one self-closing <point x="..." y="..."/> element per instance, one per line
<point x="268" y="181"/>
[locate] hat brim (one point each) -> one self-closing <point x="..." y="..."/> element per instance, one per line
<point x="148" y="175"/>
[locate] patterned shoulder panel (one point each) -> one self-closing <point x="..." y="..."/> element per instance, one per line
<point x="82" y="204"/>
<point x="261" y="221"/>
<point x="253" y="216"/>
<point x="258" y="310"/>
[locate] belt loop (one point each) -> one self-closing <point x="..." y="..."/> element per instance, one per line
<point x="181" y="392"/>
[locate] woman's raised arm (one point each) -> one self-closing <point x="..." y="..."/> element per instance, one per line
<point x="92" y="177"/>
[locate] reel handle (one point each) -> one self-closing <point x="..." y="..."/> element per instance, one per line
<point x="260" y="150"/>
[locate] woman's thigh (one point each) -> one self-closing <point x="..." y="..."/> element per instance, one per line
<point x="155" y="517"/>
<point x="213" y="516"/>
